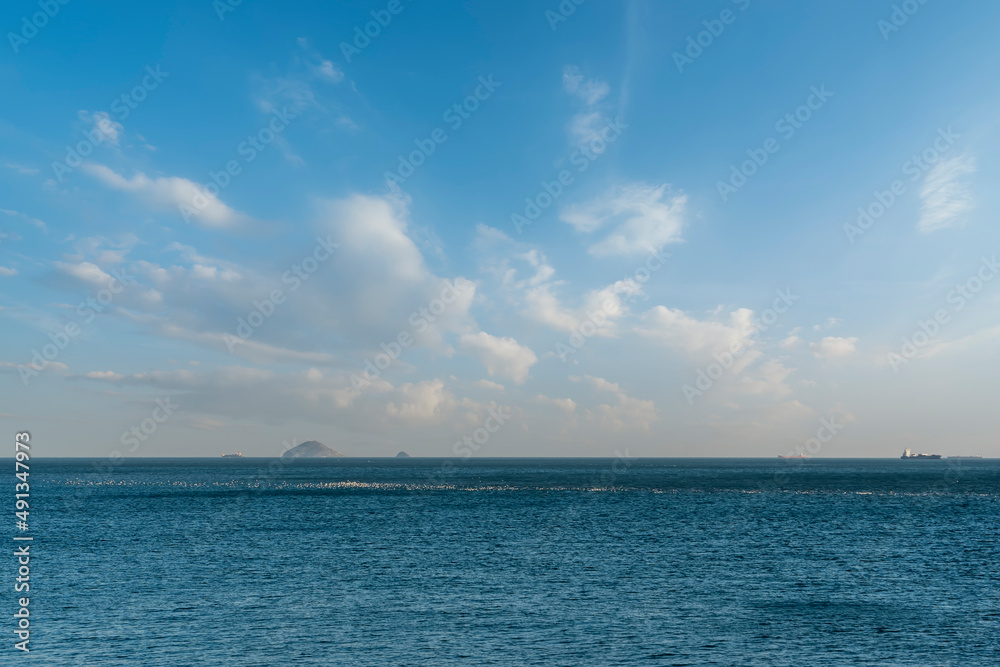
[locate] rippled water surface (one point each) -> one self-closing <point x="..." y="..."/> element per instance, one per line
<point x="543" y="561"/>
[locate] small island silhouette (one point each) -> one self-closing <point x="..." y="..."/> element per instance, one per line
<point x="311" y="450"/>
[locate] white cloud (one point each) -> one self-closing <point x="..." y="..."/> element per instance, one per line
<point x="645" y="217"/>
<point x="487" y="384"/>
<point x="170" y="193"/>
<point x="391" y="288"/>
<point x="501" y="356"/>
<point x="767" y="378"/>
<point x="833" y="347"/>
<point x="589" y="91"/>
<point x="104" y="375"/>
<point x="5" y="271"/>
<point x="792" y="340"/>
<point x="627" y="414"/>
<point x="585" y="126"/>
<point x="108" y="130"/>
<point x="422" y="403"/>
<point x="946" y="198"/>
<point x="317" y="64"/>
<point x="602" y="307"/>
<point x="679" y="330"/>
<point x="567" y="405"/>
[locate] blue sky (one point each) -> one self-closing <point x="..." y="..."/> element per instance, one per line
<point x="637" y="311"/>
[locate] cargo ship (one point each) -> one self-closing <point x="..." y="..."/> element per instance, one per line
<point x="237" y="455"/>
<point x="907" y="454"/>
<point x="789" y="456"/>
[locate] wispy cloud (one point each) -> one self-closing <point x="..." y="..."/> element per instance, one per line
<point x="646" y="217"/>
<point x="171" y="192"/>
<point x="21" y="169"/>
<point x="585" y="125"/>
<point x="34" y="222"/>
<point x="946" y="197"/>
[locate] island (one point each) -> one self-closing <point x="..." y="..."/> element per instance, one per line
<point x="402" y="455"/>
<point x="311" y="450"/>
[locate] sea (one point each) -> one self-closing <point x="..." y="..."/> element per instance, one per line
<point x="622" y="561"/>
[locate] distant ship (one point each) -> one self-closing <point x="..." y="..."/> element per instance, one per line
<point x="789" y="456"/>
<point x="907" y="454"/>
<point x="237" y="455"/>
<point x="974" y="456"/>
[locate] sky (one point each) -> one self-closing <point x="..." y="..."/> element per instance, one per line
<point x="727" y="228"/>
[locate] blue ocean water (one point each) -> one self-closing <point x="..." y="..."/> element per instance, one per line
<point x="513" y="562"/>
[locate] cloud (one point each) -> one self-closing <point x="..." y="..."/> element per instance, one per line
<point x="108" y="130"/>
<point x="170" y="193"/>
<point x="627" y="414"/>
<point x="34" y="222"/>
<point x="425" y="402"/>
<point x="373" y="288"/>
<point x="486" y="384"/>
<point x="391" y="288"/>
<point x="501" y="356"/>
<point x="585" y="125"/>
<point x="301" y="86"/>
<point x="645" y="217"/>
<point x="21" y="169"/>
<point x="833" y="347"/>
<point x="792" y="340"/>
<point x="767" y="378"/>
<point x="537" y="295"/>
<point x="679" y="330"/>
<point x="5" y="271"/>
<point x="240" y="393"/>
<point x="946" y="198"/>
<point x="317" y="64"/>
<point x="104" y="375"/>
<point x="588" y="91"/>
<point x="567" y="405"/>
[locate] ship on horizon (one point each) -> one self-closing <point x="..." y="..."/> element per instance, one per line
<point x="237" y="455"/>
<point x="907" y="454"/>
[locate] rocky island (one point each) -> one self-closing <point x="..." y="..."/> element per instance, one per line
<point x="311" y="450"/>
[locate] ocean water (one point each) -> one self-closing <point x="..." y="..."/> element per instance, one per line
<point x="512" y="562"/>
